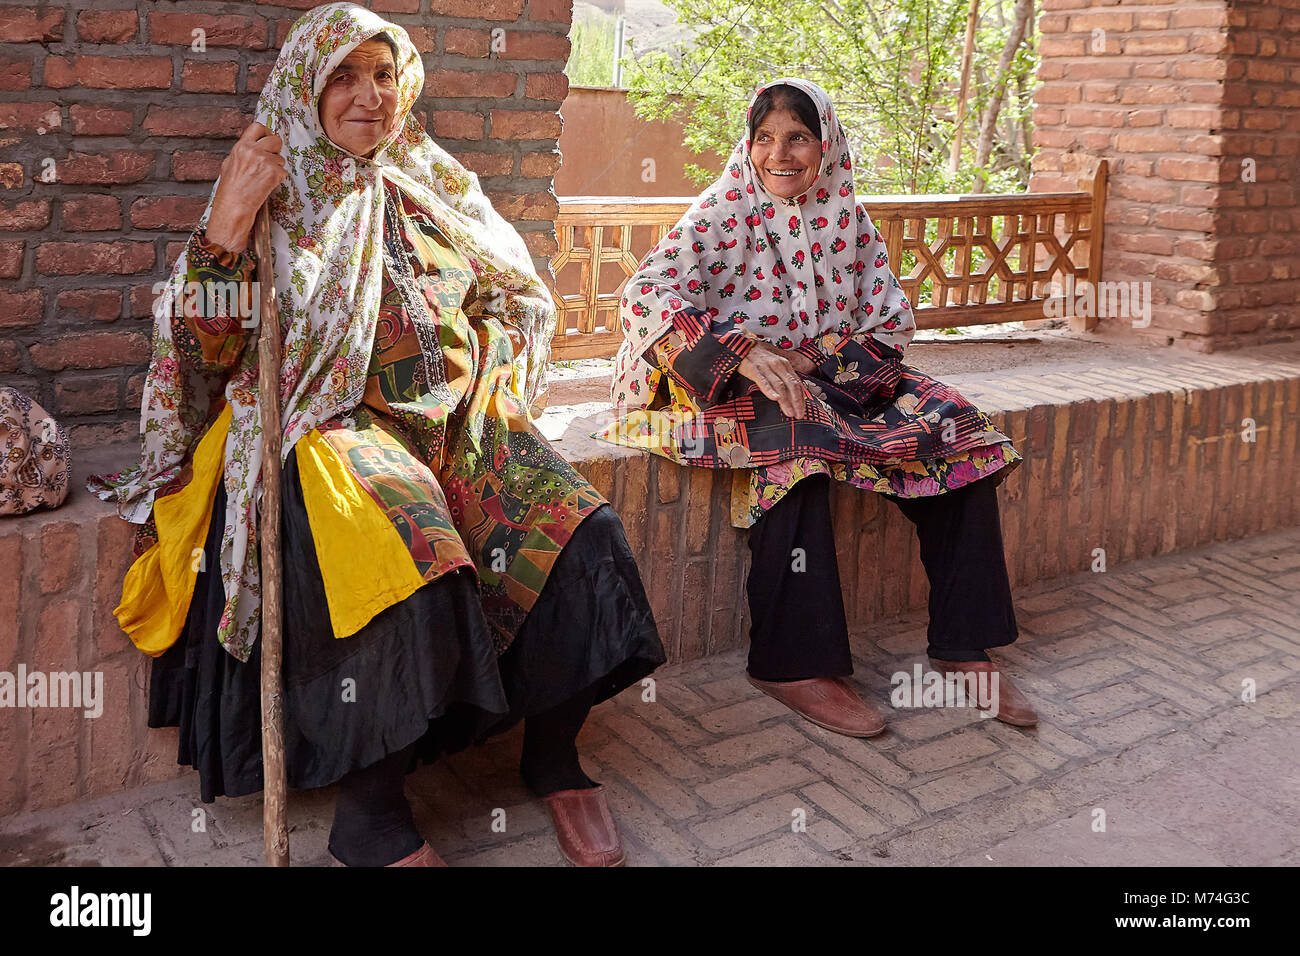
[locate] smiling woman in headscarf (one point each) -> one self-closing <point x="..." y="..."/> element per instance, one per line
<point x="446" y="572"/>
<point x="765" y="333"/>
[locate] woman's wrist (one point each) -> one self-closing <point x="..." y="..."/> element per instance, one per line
<point x="795" y="357"/>
<point x="237" y="263"/>
<point x="228" y="232"/>
<point x="812" y="351"/>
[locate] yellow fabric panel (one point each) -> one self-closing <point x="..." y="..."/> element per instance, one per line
<point x="364" y="563"/>
<point x="145" y="613"/>
<point x="159" y="585"/>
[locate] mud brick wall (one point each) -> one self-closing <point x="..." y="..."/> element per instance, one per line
<point x="1196" y="103"/>
<point x="112" y="132"/>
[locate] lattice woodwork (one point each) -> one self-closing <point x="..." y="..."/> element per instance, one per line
<point x="994" y="257"/>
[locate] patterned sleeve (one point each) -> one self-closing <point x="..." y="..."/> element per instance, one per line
<point x="698" y="359"/>
<point x="209" y="329"/>
<point x="816" y="351"/>
<point x="858" y="364"/>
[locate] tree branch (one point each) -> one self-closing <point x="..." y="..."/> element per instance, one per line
<point x="1023" y="13"/>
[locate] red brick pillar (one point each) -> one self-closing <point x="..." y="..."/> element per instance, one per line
<point x="1196" y="103"/>
<point x="132" y="125"/>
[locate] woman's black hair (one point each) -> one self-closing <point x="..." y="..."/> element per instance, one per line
<point x="786" y="98"/>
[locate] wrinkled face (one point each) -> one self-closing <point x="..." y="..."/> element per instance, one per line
<point x="786" y="154"/>
<point x="359" y="100"/>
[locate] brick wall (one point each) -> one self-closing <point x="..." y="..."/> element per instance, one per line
<point x="1196" y="104"/>
<point x="113" y="130"/>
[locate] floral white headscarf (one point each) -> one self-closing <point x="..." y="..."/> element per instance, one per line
<point x="784" y="270"/>
<point x="327" y="233"/>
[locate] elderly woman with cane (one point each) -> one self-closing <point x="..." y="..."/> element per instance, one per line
<point x="446" y="572"/>
<point x="765" y="334"/>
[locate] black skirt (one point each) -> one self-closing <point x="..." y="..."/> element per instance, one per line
<point x="422" y="671"/>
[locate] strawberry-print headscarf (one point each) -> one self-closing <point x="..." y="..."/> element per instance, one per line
<point x="327" y="232"/>
<point x="783" y="270"/>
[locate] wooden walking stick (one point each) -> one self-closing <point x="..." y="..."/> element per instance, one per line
<point x="274" y="787"/>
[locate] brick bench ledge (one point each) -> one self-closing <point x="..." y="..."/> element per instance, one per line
<point x="1140" y="455"/>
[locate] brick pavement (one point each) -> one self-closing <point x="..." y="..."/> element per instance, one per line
<point x="1137" y="672"/>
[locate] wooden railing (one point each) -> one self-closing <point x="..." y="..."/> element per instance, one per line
<point x="962" y="260"/>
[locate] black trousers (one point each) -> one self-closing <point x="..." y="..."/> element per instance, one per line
<point x="373" y="822"/>
<point x="590" y="634"/>
<point x="798" y="628"/>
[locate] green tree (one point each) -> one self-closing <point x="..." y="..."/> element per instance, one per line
<point x="591" y="49"/>
<point x="892" y="68"/>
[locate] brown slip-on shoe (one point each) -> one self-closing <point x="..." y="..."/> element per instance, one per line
<point x="1011" y="706"/>
<point x="828" y="702"/>
<point x="423" y="856"/>
<point x="584" y="827"/>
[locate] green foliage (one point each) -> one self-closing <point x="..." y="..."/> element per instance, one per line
<point x="591" y="50"/>
<point x="892" y="67"/>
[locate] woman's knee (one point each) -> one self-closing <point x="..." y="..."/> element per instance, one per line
<point x="603" y="524"/>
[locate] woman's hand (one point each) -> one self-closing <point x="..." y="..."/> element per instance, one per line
<point x="776" y="373"/>
<point x="249" y="174"/>
<point x="802" y="363"/>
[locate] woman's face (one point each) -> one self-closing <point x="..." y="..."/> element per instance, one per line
<point x="786" y="154"/>
<point x="360" y="98"/>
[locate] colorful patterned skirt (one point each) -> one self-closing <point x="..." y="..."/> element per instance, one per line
<point x="425" y="665"/>
<point x="910" y="436"/>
